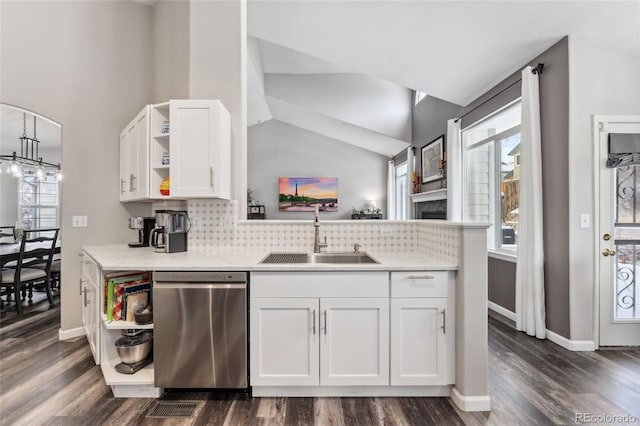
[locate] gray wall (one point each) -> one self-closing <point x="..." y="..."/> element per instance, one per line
<point x="276" y="149"/>
<point x="554" y="111"/>
<point x="502" y="288"/>
<point x="89" y="67"/>
<point x="429" y="120"/>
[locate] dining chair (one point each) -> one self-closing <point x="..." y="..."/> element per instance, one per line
<point x="37" y="246"/>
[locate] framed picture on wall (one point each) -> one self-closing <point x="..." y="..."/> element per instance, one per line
<point x="432" y="156"/>
<point x="304" y="194"/>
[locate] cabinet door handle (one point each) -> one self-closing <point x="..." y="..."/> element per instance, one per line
<point x="421" y="277"/>
<point x="122" y="186"/>
<point x="314" y="321"/>
<point x="81" y="282"/>
<point x="212" y="177"/>
<point x="325" y="322"/>
<point x="444" y="321"/>
<point x="84" y="297"/>
<point x="134" y="178"/>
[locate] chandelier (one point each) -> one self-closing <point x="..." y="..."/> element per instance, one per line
<point x="29" y="160"/>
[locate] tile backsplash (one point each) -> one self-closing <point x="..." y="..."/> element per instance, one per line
<point x="215" y="228"/>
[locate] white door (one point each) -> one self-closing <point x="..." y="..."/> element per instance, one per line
<point x="618" y="239"/>
<point x="354" y="347"/>
<point x="124" y="165"/>
<point x="418" y="341"/>
<point x="139" y="156"/>
<point x="194" y="165"/>
<point x="284" y="342"/>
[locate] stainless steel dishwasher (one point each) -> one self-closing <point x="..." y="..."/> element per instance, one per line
<point x="200" y="329"/>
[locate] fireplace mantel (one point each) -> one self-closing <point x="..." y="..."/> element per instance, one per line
<point x="438" y="194"/>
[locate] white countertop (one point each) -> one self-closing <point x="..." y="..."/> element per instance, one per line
<point x="121" y="257"/>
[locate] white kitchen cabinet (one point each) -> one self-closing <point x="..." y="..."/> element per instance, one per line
<point x="187" y="141"/>
<point x="91" y="304"/>
<point x="422" y="325"/>
<point x="333" y="337"/>
<point x="327" y="341"/>
<point x="134" y="158"/>
<point x="191" y="145"/>
<point x="284" y="342"/>
<point x="102" y="335"/>
<point x="354" y="348"/>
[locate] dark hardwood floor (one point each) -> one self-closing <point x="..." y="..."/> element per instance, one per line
<point x="531" y="382"/>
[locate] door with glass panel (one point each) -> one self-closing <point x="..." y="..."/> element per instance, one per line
<point x="619" y="237"/>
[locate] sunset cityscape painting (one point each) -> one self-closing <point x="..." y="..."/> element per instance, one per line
<point x="303" y="194"/>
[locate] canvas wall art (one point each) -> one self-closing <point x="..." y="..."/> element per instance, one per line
<point x="303" y="194"/>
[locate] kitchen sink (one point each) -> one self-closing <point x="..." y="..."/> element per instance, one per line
<point x="339" y="257"/>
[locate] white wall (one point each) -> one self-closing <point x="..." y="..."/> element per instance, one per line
<point x="171" y="50"/>
<point x="601" y="82"/>
<point x="217" y="70"/>
<point x="358" y="99"/>
<point x="276" y="149"/>
<point x="87" y="65"/>
<point x="9" y="197"/>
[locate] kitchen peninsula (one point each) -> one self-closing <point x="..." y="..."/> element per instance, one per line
<point x="431" y="271"/>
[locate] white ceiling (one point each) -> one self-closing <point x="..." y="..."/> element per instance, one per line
<point x="453" y="50"/>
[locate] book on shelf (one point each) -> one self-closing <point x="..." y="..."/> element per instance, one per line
<point x="135" y="295"/>
<point x="115" y="285"/>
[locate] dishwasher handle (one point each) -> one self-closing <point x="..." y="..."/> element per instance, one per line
<point x="211" y="286"/>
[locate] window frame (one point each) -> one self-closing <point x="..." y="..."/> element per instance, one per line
<point x="401" y="199"/>
<point x="498" y="250"/>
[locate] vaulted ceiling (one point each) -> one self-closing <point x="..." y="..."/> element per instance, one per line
<point x="453" y="50"/>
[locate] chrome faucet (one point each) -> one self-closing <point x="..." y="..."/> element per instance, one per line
<point x="317" y="245"/>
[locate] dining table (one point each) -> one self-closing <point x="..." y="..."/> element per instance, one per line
<point x="10" y="251"/>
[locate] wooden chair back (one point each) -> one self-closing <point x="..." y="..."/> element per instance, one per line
<point x="37" y="247"/>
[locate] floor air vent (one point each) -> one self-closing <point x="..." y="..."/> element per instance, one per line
<point x="170" y="409"/>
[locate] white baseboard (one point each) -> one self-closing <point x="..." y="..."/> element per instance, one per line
<point x="572" y="345"/>
<point x="471" y="403"/>
<point x="70" y="333"/>
<point x="502" y="311"/>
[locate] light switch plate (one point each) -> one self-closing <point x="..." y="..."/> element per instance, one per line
<point x="585" y="220"/>
<point x="79" y="221"/>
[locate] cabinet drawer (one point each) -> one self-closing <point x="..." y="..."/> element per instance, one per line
<point x="421" y="283"/>
<point x="320" y="284"/>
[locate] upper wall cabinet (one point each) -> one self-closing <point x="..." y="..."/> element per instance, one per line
<point x="134" y="158"/>
<point x="188" y="154"/>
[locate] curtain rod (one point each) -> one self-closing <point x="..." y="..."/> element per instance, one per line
<point x="536" y="70"/>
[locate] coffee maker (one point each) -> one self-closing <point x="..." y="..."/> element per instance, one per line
<point x="170" y="232"/>
<point x="144" y="225"/>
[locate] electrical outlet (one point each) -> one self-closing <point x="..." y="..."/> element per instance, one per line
<point x="229" y="222"/>
<point x="386" y="232"/>
<point x="195" y="222"/>
<point x="79" y="221"/>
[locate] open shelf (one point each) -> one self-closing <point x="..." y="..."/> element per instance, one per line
<point x="162" y="136"/>
<point x="113" y="378"/>
<point x="121" y="325"/>
<point x="165" y="167"/>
